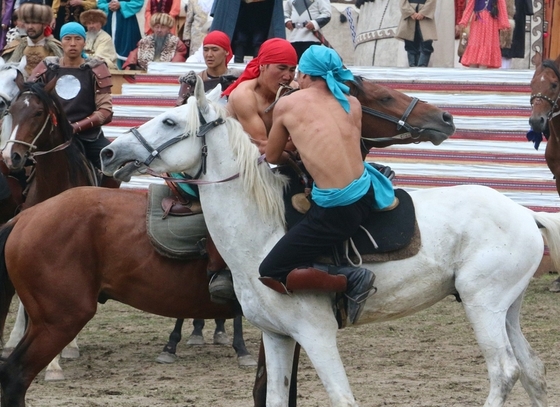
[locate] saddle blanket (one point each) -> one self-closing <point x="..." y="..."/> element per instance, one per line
<point x="176" y="237"/>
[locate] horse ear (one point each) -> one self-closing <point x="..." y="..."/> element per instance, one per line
<point x="19" y="79"/>
<point x="50" y="85"/>
<point x="200" y="95"/>
<point x="537" y="59"/>
<point x="214" y="94"/>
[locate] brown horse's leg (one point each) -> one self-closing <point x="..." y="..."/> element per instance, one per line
<point x="259" y="389"/>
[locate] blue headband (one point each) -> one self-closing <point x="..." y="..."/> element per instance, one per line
<point x="324" y="62"/>
<point x="73" y="28"/>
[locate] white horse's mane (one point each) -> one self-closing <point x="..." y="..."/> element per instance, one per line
<point x="263" y="186"/>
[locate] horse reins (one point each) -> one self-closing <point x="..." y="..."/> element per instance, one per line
<point x="547" y="63"/>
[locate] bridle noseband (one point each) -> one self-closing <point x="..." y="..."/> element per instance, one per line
<point x="547" y="63"/>
<point x="32" y="146"/>
<point x="154" y="153"/>
<point x="411" y="132"/>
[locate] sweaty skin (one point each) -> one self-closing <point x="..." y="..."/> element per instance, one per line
<point x="326" y="137"/>
<point x="248" y="102"/>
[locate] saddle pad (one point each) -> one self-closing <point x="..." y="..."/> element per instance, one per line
<point x="392" y="230"/>
<point x="176" y="237"/>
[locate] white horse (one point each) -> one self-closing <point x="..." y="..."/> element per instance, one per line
<point x="8" y="87"/>
<point x="476" y="243"/>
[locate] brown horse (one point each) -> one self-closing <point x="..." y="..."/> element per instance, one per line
<point x="545" y="116"/>
<point x="97" y="249"/>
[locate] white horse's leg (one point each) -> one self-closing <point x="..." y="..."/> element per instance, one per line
<point x="323" y="352"/>
<point x="279" y="351"/>
<point x="17" y="332"/>
<point x="532" y="368"/>
<point x="54" y="371"/>
<point x="71" y="351"/>
<point x="490" y="330"/>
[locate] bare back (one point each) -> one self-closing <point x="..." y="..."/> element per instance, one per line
<point x="326" y="137"/>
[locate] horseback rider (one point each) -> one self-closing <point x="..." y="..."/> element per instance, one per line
<point x="324" y="124"/>
<point x="83" y="86"/>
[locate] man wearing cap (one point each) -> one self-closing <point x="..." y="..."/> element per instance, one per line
<point x="258" y="87"/>
<point x="83" y="87"/>
<point x="159" y="46"/>
<point x="216" y="49"/>
<point x="99" y="44"/>
<point x="39" y="42"/>
<point x="324" y="124"/>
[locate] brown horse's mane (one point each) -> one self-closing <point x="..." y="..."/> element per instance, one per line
<point x="77" y="162"/>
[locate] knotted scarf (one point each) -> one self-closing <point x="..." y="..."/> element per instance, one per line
<point x="272" y="51"/>
<point x="74" y="28"/>
<point x="325" y="63"/>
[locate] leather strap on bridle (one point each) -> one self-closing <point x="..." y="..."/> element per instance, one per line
<point x="547" y="63"/>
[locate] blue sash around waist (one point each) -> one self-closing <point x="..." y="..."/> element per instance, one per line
<point x="383" y="190"/>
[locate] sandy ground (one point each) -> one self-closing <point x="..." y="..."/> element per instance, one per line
<point x="429" y="359"/>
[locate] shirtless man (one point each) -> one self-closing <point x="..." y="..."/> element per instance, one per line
<point x="324" y="124"/>
<point x="255" y="90"/>
<point x="248" y="98"/>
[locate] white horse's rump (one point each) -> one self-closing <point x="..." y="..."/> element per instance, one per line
<point x="475" y="242"/>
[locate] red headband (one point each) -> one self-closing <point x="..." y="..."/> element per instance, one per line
<point x="221" y="40"/>
<point x="272" y="51"/>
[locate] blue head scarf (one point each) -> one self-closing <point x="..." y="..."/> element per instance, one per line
<point x="73" y="28"/>
<point x="324" y="62"/>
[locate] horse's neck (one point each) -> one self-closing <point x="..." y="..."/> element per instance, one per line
<point x="242" y="235"/>
<point x="52" y="176"/>
<point x="554" y="127"/>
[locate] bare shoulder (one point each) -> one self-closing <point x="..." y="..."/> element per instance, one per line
<point x="242" y="98"/>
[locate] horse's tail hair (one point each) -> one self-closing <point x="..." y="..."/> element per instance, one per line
<point x="6" y="286"/>
<point x="549" y="225"/>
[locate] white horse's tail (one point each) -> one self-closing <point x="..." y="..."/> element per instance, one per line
<point x="549" y="225"/>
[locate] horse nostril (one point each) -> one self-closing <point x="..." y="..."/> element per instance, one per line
<point x="448" y="118"/>
<point x="16" y="159"/>
<point x="107" y="154"/>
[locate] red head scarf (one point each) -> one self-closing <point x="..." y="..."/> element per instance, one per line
<point x="221" y="40"/>
<point x="272" y="51"/>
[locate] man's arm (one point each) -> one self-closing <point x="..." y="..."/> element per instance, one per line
<point x="278" y="137"/>
<point x="243" y="105"/>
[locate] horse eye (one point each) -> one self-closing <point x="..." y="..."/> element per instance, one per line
<point x="169" y="122"/>
<point x="554" y="85"/>
<point x="386" y="99"/>
<point x="38" y="114"/>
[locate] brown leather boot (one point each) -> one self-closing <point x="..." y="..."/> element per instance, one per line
<point x="221" y="284"/>
<point x="309" y="279"/>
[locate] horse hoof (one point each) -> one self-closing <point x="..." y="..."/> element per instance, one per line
<point x="53" y="376"/>
<point x="6" y="352"/>
<point x="246" y="361"/>
<point x="555" y="287"/>
<point x="165" y="357"/>
<point x="195" y="340"/>
<point x="70" y="353"/>
<point x="221" y="338"/>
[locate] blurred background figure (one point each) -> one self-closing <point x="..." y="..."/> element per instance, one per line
<point x="303" y="17"/>
<point x="248" y="24"/>
<point x="516" y="49"/>
<point x="171" y="7"/>
<point x="17" y="31"/>
<point x="418" y="30"/>
<point x="66" y="11"/>
<point x="122" y="25"/>
<point x="98" y="43"/>
<point x="197" y="23"/>
<point x="161" y="46"/>
<point x="7" y="8"/>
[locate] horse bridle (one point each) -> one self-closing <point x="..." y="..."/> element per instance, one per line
<point x="411" y="131"/>
<point x="547" y="63"/>
<point x="154" y="153"/>
<point x="31" y="146"/>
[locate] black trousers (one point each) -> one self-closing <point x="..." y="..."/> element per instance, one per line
<point x="318" y="231"/>
<point x="301" y="47"/>
<point x="418" y="46"/>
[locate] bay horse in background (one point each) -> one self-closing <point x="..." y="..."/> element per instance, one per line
<point x="36" y="129"/>
<point x="473" y="254"/>
<point x="545" y="116"/>
<point x="389" y="117"/>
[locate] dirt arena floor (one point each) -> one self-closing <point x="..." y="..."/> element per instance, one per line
<point x="429" y="359"/>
